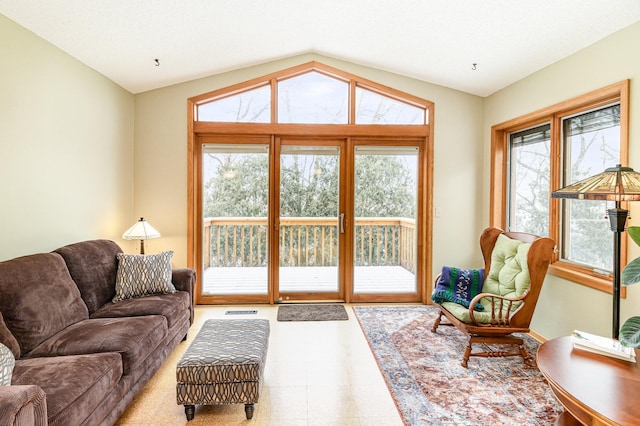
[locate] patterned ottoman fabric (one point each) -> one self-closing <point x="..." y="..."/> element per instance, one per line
<point x="224" y="365"/>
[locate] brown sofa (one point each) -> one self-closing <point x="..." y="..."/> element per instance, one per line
<point x="80" y="358"/>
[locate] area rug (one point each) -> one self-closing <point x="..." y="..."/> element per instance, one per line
<point x="430" y="387"/>
<point x="312" y="312"/>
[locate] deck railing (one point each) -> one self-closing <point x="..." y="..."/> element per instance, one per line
<point x="308" y="241"/>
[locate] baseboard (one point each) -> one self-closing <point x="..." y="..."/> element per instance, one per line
<point x="539" y="337"/>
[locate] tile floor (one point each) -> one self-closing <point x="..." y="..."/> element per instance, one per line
<point x="317" y="373"/>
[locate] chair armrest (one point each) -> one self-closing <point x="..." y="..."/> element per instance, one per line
<point x="505" y="304"/>
<point x="184" y="279"/>
<point x="23" y="405"/>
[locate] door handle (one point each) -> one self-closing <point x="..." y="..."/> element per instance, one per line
<point x="342" y="223"/>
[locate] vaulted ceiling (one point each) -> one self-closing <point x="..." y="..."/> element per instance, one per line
<point x="437" y="41"/>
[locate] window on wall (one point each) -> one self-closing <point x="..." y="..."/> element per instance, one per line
<point x="310" y="126"/>
<point x="373" y="108"/>
<point x="538" y="153"/>
<point x="529" y="171"/>
<point x="250" y="106"/>
<point x="315" y="96"/>
<point x="591" y="143"/>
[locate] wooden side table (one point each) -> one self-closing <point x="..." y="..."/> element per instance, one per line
<point x="594" y="389"/>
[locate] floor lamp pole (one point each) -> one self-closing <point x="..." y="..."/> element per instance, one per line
<point x="618" y="221"/>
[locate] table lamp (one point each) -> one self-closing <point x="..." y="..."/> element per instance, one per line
<point x="614" y="184"/>
<point x="141" y="230"/>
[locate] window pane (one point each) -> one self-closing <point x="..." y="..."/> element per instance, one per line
<point x="372" y="108"/>
<point x="253" y="106"/>
<point x="313" y="98"/>
<point x="385" y="205"/>
<point x="235" y="202"/>
<point x="529" y="181"/>
<point x="592" y="144"/>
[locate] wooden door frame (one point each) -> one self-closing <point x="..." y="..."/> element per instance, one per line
<point x="211" y="131"/>
<point x="338" y="296"/>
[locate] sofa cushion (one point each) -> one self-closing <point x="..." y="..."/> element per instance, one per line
<point x="7" y="362"/>
<point x="74" y="385"/>
<point x="142" y="275"/>
<point x="38" y="298"/>
<point x="93" y="265"/>
<point x="171" y="306"/>
<point x="135" y="338"/>
<point x="7" y="339"/>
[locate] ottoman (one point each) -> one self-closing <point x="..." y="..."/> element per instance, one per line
<point x="224" y="365"/>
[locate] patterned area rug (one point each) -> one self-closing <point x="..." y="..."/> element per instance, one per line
<point x="312" y="312"/>
<point x="430" y="387"/>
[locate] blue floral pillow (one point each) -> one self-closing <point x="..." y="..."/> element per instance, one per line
<point x="459" y="286"/>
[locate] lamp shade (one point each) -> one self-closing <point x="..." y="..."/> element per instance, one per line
<point x="141" y="230"/>
<point x="614" y="184"/>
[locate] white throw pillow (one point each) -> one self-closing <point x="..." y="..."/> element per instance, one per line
<point x="143" y="275"/>
<point x="7" y="362"/>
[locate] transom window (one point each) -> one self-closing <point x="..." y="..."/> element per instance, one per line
<point x="251" y="106"/>
<point x="546" y="150"/>
<point x="315" y="96"/>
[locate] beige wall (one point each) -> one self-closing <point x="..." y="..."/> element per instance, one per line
<point x="161" y="156"/>
<point x="66" y="144"/>
<point x="565" y="305"/>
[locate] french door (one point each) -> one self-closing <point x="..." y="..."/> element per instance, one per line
<point x="310" y="207"/>
<point x="291" y="219"/>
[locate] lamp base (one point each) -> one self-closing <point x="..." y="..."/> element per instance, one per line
<point x="618" y="221"/>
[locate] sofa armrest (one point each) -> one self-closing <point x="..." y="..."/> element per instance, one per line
<point x="184" y="279"/>
<point x="23" y="405"/>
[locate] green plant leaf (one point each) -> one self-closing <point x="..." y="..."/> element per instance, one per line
<point x="634" y="233"/>
<point x="631" y="272"/>
<point x="630" y="333"/>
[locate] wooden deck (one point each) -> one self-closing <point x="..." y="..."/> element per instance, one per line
<point x="368" y="280"/>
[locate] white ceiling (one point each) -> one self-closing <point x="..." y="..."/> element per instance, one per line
<point x="432" y="40"/>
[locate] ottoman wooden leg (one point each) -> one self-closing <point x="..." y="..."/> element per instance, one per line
<point x="248" y="409"/>
<point x="190" y="411"/>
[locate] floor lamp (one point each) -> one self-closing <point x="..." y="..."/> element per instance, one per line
<point x="614" y="184"/>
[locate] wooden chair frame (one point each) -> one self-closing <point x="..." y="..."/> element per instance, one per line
<point x="501" y="327"/>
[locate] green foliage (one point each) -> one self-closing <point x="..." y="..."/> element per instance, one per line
<point x="630" y="330"/>
<point x="630" y="333"/>
<point x="631" y="272"/>
<point x="309" y="194"/>
<point x="236" y="185"/>
<point x="383" y="188"/>
<point x="239" y="187"/>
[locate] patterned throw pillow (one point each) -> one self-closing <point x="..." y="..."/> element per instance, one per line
<point x="143" y="275"/>
<point x="7" y="362"/>
<point x="459" y="286"/>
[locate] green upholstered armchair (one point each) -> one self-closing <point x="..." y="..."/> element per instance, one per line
<point x="515" y="265"/>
